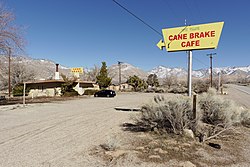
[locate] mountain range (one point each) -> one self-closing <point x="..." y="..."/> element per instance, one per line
<point x="44" y="69"/>
<point x="163" y="72"/>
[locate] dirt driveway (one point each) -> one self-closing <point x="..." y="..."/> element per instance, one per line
<point x="61" y="133"/>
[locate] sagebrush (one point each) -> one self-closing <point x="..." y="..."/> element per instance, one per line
<point x="214" y="115"/>
<point x="216" y="110"/>
<point x="172" y="115"/>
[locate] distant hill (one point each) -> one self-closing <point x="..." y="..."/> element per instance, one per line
<point x="45" y="69"/>
<point x="126" y="71"/>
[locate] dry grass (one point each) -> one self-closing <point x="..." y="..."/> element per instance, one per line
<point x="111" y="144"/>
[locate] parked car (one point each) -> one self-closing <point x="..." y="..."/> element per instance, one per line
<point x="105" y="93"/>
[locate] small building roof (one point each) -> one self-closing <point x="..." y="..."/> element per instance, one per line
<point x="56" y="81"/>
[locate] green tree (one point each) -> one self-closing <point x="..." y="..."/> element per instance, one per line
<point x="102" y="79"/>
<point x="137" y="83"/>
<point x="153" y="80"/>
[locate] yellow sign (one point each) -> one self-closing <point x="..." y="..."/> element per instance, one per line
<point x="77" y="70"/>
<point x="203" y="36"/>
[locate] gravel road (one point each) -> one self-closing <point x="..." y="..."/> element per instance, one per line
<point x="61" y="133"/>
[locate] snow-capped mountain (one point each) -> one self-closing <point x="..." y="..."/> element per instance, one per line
<point x="45" y="69"/>
<point x="163" y="72"/>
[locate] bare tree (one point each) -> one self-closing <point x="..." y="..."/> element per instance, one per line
<point x="170" y="80"/>
<point x="10" y="34"/>
<point x="92" y="73"/>
<point x="21" y="74"/>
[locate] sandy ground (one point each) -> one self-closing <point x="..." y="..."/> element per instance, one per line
<point x="64" y="133"/>
<point x="61" y="133"/>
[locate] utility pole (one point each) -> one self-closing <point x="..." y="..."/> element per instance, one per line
<point x="211" y="68"/>
<point x="119" y="65"/>
<point x="9" y="52"/>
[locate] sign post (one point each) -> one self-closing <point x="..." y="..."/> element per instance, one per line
<point x="189" y="38"/>
<point x="190" y="56"/>
<point x="24" y="91"/>
<point x="76" y="72"/>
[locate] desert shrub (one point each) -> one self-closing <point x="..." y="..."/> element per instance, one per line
<point x="245" y="118"/>
<point x="111" y="144"/>
<point x="200" y="86"/>
<point x="90" y="92"/>
<point x="150" y="90"/>
<point x="178" y="89"/>
<point x="70" y="94"/>
<point x="18" y="90"/>
<point x="159" y="91"/>
<point x="216" y="110"/>
<point x="154" y="90"/>
<point x="214" y="115"/>
<point x="172" y="115"/>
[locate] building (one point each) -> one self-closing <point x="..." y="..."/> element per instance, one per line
<point x="122" y="87"/>
<point x="53" y="87"/>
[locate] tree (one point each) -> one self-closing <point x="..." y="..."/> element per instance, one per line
<point x="10" y="34"/>
<point x="67" y="88"/>
<point x="19" y="73"/>
<point x="137" y="83"/>
<point x="102" y="79"/>
<point x="170" y="80"/>
<point x="153" y="80"/>
<point x="92" y="73"/>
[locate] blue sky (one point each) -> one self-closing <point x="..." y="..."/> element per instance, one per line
<point x="81" y="33"/>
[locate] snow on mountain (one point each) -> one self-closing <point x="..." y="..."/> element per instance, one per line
<point x="163" y="72"/>
<point x="45" y="69"/>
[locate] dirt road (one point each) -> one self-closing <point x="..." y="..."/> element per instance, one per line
<point x="61" y="133"/>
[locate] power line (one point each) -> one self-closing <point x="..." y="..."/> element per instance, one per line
<point x="201" y="62"/>
<point x="198" y="9"/>
<point x="138" y="18"/>
<point x="171" y="9"/>
<point x="157" y="32"/>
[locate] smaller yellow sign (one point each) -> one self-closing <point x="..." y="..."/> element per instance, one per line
<point x="77" y="70"/>
<point x="195" y="37"/>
